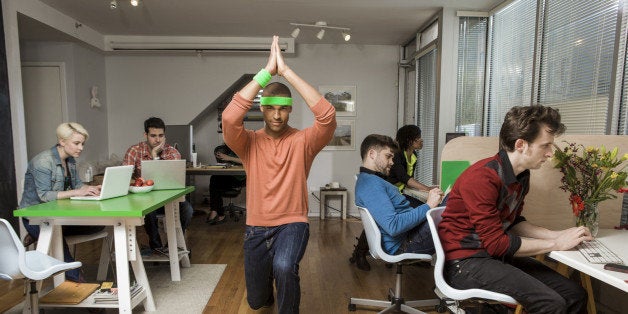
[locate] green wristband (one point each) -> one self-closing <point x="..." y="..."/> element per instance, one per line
<point x="262" y="77"/>
<point x="275" y="101"/>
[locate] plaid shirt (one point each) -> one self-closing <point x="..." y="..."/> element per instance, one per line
<point x="136" y="153"/>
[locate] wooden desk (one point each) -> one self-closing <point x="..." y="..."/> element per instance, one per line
<point x="211" y="170"/>
<point x="191" y="172"/>
<point x="616" y="241"/>
<point x="124" y="214"/>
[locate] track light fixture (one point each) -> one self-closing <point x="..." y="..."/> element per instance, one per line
<point x="320" y="34"/>
<point x="113" y="4"/>
<point x="295" y="32"/>
<point x="322" y="25"/>
<point x="346" y="36"/>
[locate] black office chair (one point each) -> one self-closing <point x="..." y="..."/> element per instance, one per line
<point x="234" y="211"/>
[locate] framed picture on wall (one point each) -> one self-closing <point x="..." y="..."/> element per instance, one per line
<point x="343" y="98"/>
<point x="344" y="136"/>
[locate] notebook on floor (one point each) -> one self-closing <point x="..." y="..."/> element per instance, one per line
<point x="114" y="184"/>
<point x="166" y="174"/>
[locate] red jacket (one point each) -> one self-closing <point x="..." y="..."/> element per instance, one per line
<point x="484" y="203"/>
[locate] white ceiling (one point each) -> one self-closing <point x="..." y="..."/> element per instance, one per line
<point x="389" y="22"/>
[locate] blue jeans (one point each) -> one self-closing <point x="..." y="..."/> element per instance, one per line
<point x="537" y="287"/>
<point x="72" y="274"/>
<point x="418" y="240"/>
<point x="274" y="252"/>
<point x="151" y="225"/>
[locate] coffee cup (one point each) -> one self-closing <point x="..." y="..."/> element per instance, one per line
<point x="194" y="160"/>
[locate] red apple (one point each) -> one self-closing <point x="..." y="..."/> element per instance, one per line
<point x="149" y="182"/>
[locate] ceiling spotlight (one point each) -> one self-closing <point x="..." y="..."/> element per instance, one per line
<point x="113" y="4"/>
<point x="346" y="36"/>
<point x="135" y="2"/>
<point x="295" y="32"/>
<point x="321" y="27"/>
<point x="320" y="34"/>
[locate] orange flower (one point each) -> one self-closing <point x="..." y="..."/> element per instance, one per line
<point x="577" y="205"/>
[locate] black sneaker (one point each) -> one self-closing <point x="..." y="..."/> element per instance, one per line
<point x="218" y="221"/>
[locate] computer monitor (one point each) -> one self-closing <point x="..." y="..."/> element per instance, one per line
<point x="452" y="135"/>
<point x="181" y="136"/>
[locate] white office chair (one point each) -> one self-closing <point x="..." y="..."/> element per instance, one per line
<point x="396" y="303"/>
<point x="17" y="263"/>
<point x="105" y="250"/>
<point x="450" y="296"/>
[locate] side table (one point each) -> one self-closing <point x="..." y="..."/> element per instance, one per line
<point x="326" y="192"/>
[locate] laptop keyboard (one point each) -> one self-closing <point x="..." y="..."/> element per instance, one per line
<point x="420" y="195"/>
<point x="597" y="253"/>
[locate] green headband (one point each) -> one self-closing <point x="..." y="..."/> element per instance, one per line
<point x="275" y="101"/>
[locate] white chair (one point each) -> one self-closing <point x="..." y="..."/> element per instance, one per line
<point x="396" y="303"/>
<point x="17" y="263"/>
<point x="451" y="296"/>
<point x="105" y="250"/>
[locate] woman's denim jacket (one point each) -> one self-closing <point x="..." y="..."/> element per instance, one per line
<point x="44" y="178"/>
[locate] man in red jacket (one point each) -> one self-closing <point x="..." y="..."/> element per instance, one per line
<point x="487" y="243"/>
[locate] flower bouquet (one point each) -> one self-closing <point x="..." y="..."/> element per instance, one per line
<point x="590" y="176"/>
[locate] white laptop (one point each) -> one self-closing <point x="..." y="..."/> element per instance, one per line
<point x="114" y="184"/>
<point x="167" y="174"/>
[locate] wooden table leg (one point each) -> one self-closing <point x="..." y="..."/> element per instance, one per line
<point x="586" y="283"/>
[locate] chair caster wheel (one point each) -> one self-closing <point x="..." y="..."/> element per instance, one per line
<point x="440" y="308"/>
<point x="352" y="307"/>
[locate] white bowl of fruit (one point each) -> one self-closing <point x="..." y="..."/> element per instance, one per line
<point x="141" y="186"/>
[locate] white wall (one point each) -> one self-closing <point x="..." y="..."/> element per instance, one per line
<point x="84" y="68"/>
<point x="45" y="14"/>
<point x="178" y="87"/>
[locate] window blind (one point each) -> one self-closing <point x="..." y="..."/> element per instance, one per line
<point x="622" y="121"/>
<point x="623" y="109"/>
<point x="426" y="116"/>
<point x="576" y="62"/>
<point x="512" y="57"/>
<point x="471" y="65"/>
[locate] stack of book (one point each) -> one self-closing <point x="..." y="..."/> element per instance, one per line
<point x="111" y="296"/>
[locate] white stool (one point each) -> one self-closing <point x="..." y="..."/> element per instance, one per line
<point x="105" y="257"/>
<point x="325" y="192"/>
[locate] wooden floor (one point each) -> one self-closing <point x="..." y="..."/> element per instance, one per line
<point x="327" y="277"/>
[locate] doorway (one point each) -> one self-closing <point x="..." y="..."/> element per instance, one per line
<point x="45" y="103"/>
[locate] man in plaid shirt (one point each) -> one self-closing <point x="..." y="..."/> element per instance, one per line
<point x="155" y="148"/>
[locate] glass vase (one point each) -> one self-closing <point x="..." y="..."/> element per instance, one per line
<point x="589" y="217"/>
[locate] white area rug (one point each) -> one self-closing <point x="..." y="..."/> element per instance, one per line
<point x="190" y="295"/>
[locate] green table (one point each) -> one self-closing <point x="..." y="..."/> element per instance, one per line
<point x="124" y="214"/>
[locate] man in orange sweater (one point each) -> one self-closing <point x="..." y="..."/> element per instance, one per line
<point x="277" y="160"/>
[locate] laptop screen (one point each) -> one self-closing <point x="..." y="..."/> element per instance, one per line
<point x="167" y="174"/>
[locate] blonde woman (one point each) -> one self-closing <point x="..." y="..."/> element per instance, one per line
<point x="52" y="175"/>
